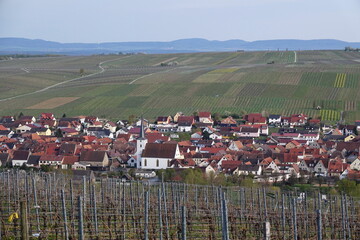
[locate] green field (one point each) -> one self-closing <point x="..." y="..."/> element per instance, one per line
<point x="236" y="82"/>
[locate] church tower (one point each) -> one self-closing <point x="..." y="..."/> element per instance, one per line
<point x="141" y="142"/>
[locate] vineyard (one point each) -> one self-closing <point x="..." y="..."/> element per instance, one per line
<point x="340" y="80"/>
<point x="56" y="206"/>
<point x="329" y="115"/>
<point x="235" y="82"/>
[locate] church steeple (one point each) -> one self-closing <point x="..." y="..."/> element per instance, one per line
<point x="142" y="133"/>
<point x="141" y="142"/>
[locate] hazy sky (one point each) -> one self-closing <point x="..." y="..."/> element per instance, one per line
<point x="164" y="20"/>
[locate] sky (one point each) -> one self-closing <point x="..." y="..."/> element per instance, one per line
<point x="166" y="20"/>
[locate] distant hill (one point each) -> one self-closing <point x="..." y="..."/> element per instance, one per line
<point x="37" y="46"/>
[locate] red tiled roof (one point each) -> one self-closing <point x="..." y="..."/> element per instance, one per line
<point x="336" y="166"/>
<point x="186" y="119"/>
<point x="70" y="160"/>
<point x="204" y="114"/>
<point x="51" y="158"/>
<point x="212" y="150"/>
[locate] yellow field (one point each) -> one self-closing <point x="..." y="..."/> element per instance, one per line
<point x="224" y="70"/>
<point x="340" y="80"/>
<point x="53" y="103"/>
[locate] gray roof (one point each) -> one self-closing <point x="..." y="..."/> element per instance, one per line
<point x="251" y="168"/>
<point x="33" y="160"/>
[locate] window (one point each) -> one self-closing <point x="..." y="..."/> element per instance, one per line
<point x="141" y="145"/>
<point x="157" y="162"/>
<point x="145" y="162"/>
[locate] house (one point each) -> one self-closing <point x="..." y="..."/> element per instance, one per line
<point x="205" y="117"/>
<point x="215" y="136"/>
<point x="355" y="165"/>
<point x="111" y="126"/>
<point x="131" y="162"/>
<point x="67" y="149"/>
<point x="182" y="163"/>
<point x="321" y="168"/>
<point x="351" y="175"/>
<point x="7" y="119"/>
<point x="70" y="123"/>
<point x="228" y="122"/>
<point x="357" y="124"/>
<point x="289" y="170"/>
<point x="274" y="119"/>
<point x="69" y="132"/>
<point x="336" y="167"/>
<point x="47" y="116"/>
<point x="185" y="123"/>
<point x="91" y="119"/>
<point x="255" y="118"/>
<point x="292" y="144"/>
<point x="164" y="120"/>
<point x="143" y="122"/>
<point x="298" y="119"/>
<point x="41" y="131"/>
<point x="24" y="128"/>
<point x="228" y="167"/>
<point x="177" y="115"/>
<point x="33" y="161"/>
<point x="248" y="170"/>
<point x="99" y="132"/>
<point x="235" y="146"/>
<point x="197" y="135"/>
<point x="145" y="174"/>
<point x="94" y="159"/>
<point x="159" y="156"/>
<point x="6" y="133"/>
<point x="69" y="162"/>
<point x="20" y="158"/>
<point x="249" y="132"/>
<point x="51" y="160"/>
<point x="95" y="124"/>
<point x="27" y="120"/>
<point x="347" y="129"/>
<point x="171" y="127"/>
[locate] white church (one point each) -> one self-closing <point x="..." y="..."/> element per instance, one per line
<point x="155" y="155"/>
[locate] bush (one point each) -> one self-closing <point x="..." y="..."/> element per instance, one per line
<point x="348" y="187"/>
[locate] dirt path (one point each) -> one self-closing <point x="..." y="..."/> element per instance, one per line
<point x="60" y="83"/>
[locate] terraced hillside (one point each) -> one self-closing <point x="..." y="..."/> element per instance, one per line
<point x="236" y="82"/>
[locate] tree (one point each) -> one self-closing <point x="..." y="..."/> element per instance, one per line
<point x="132" y="119"/>
<point x="349" y="187"/>
<point x="206" y="135"/>
<point x="235" y="116"/>
<point x="20" y="115"/>
<point x="217" y="117"/>
<point x="64" y="115"/>
<point x="46" y="168"/>
<point x="193" y="176"/>
<point x="58" y="133"/>
<point x="168" y="174"/>
<point x="81" y="71"/>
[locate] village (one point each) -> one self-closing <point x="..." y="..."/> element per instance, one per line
<point x="270" y="149"/>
